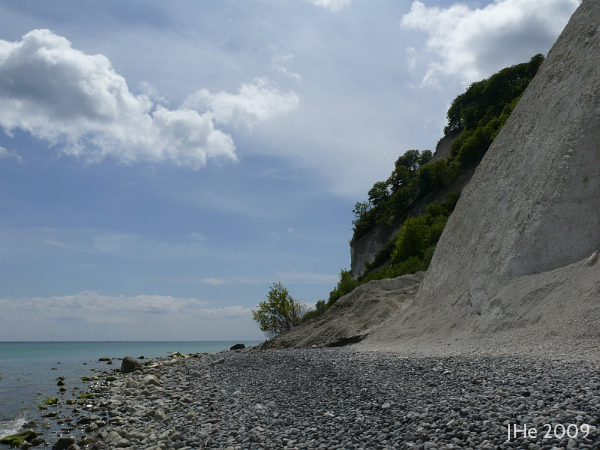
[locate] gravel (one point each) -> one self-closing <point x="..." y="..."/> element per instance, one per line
<point x="338" y="398"/>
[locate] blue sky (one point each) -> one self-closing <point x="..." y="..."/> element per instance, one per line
<point x="163" y="163"/>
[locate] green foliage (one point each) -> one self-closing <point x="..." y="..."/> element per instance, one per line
<point x="433" y="223"/>
<point x="437" y="174"/>
<point x="479" y="113"/>
<point x="483" y="109"/>
<point x="389" y="198"/>
<point x="19" y="439"/>
<point x="419" y="235"/>
<point x="411" y="265"/>
<point x="345" y="285"/>
<point x="51" y="400"/>
<point x="319" y="310"/>
<point x="360" y="210"/>
<point x="487" y="98"/>
<point x="379" y="193"/>
<point x="279" y="313"/>
<point x="425" y="157"/>
<point x="412" y="240"/>
<point x="410" y="250"/>
<point x="86" y="379"/>
<point x="410" y="159"/>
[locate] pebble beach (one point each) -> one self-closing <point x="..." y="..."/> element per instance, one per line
<point x="339" y="398"/>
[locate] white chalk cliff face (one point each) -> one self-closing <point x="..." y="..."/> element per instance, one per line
<point x="533" y="204"/>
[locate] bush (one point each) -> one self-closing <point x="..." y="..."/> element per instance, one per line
<point x="279" y="313"/>
<point x="412" y="240"/>
<point x="479" y="113"/>
<point x="346" y="284"/>
<point x="319" y="310"/>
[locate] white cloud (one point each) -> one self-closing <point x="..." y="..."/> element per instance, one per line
<point x="5" y="154"/>
<point x="87" y="302"/>
<point x="79" y="103"/>
<point x="474" y="43"/>
<point x="132" y="246"/>
<point x="254" y="103"/>
<point x="152" y="93"/>
<point x="93" y="316"/>
<point x="411" y="57"/>
<point x="332" y="5"/>
<point x="198" y="236"/>
<point x="213" y="281"/>
<point x="278" y="65"/>
<point x="293" y="276"/>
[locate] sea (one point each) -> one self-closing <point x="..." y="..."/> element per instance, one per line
<point x="29" y="370"/>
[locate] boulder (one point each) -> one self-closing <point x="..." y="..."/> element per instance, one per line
<point x="132" y="384"/>
<point x="18" y="439"/>
<point x="104" y="358"/>
<point x="63" y="443"/>
<point x="130" y="364"/>
<point x="238" y="347"/>
<point x="150" y="380"/>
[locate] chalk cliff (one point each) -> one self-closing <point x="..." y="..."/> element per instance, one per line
<point x="517" y="264"/>
<point x="365" y="249"/>
<point x="518" y="251"/>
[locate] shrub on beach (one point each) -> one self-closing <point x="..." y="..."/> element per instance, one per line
<point x="279" y="313"/>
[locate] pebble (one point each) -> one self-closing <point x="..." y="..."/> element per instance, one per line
<point x="338" y="398"/>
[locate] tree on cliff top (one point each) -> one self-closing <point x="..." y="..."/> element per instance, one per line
<point x="279" y="313"/>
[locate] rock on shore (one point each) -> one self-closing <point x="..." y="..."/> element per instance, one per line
<point x="337" y="398"/>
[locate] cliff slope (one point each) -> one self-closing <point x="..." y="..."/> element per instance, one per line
<point x="516" y="252"/>
<point x="354" y="316"/>
<point x="365" y="249"/>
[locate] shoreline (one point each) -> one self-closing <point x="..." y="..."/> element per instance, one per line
<point x="32" y="370"/>
<point x="340" y="398"/>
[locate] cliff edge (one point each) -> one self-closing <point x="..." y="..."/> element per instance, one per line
<point x="520" y="250"/>
<point x="516" y="269"/>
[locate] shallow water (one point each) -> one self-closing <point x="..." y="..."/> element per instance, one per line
<point x="29" y="370"/>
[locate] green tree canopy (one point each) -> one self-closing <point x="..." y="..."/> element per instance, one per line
<point x="279" y="313"/>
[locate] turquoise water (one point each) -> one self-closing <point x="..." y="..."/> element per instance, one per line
<point x="28" y="370"/>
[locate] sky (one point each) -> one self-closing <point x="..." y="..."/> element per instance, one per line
<point x="162" y="164"/>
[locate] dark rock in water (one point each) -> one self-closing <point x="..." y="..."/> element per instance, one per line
<point x="130" y="364"/>
<point x="30" y="424"/>
<point x="60" y="383"/>
<point x="63" y="443"/>
<point x="238" y="347"/>
<point x="19" y="439"/>
<point x="109" y="362"/>
<point x="84" y="420"/>
<point x="141" y="357"/>
<point x="87" y="440"/>
<point x="104" y="358"/>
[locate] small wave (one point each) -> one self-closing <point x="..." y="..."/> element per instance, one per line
<point x="8" y="427"/>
